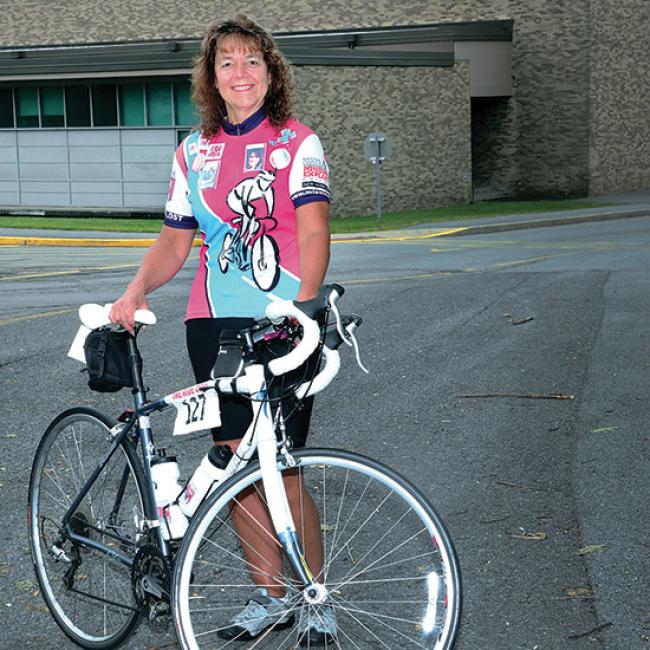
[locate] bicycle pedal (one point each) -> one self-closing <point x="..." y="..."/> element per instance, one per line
<point x="159" y="614"/>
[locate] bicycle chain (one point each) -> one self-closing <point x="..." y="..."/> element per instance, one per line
<point x="150" y="581"/>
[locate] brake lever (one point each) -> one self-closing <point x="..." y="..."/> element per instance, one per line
<point x="343" y="333"/>
<point x="346" y="332"/>
<point x="355" y="345"/>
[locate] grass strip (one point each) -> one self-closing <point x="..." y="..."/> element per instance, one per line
<point x="389" y="220"/>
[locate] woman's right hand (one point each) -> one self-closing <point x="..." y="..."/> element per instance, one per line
<point x="123" y="309"/>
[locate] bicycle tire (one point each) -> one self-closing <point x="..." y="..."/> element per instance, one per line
<point x="96" y="608"/>
<point x="390" y="567"/>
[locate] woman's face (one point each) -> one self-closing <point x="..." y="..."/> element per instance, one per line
<point x="242" y="78"/>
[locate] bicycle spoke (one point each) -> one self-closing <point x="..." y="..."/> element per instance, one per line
<point x="392" y="550"/>
<point x="89" y="592"/>
<point x="381" y="619"/>
<point x="380" y="599"/>
<point x="243" y="560"/>
<point x="361" y="527"/>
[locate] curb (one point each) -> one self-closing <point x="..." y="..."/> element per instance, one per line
<point x="545" y="223"/>
<point x="79" y="242"/>
<point x="379" y="236"/>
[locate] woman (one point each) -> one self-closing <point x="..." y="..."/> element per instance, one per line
<point x="243" y="93"/>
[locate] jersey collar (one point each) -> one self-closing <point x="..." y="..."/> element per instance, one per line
<point x="247" y="125"/>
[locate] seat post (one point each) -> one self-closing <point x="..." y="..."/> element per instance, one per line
<point x="135" y="363"/>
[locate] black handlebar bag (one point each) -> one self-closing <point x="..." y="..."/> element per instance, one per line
<point x="107" y="360"/>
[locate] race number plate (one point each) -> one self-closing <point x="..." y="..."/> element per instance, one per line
<point x="196" y="408"/>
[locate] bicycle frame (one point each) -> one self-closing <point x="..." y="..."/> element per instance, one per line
<point x="260" y="436"/>
<point x="66" y="521"/>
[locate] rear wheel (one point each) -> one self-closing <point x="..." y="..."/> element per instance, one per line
<point x="390" y="574"/>
<point x="264" y="262"/>
<point x="88" y="592"/>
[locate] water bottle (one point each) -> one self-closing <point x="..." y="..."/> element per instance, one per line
<point x="205" y="479"/>
<point x="167" y="487"/>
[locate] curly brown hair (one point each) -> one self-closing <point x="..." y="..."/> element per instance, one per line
<point x="209" y="103"/>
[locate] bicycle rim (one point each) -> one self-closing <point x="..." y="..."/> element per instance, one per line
<point x="389" y="567"/>
<point x="88" y="592"/>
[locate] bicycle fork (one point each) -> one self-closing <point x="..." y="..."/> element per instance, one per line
<point x="276" y="495"/>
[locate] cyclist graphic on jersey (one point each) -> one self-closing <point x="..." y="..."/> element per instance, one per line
<point x="250" y="246"/>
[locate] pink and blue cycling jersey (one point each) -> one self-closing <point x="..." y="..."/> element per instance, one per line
<point x="241" y="188"/>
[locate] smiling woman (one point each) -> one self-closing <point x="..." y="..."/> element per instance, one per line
<point x="255" y="182"/>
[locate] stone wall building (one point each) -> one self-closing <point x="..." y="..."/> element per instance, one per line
<point x="507" y="98"/>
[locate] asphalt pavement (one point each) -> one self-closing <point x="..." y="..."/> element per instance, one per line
<point x="544" y="497"/>
<point x="619" y="206"/>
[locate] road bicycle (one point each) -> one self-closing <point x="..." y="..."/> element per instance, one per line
<point x="105" y="557"/>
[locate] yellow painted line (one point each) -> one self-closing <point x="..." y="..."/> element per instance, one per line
<point x="70" y="241"/>
<point x="421" y="276"/>
<point x="48" y="314"/>
<point x="60" y="312"/>
<point x="145" y="243"/>
<point x="530" y="260"/>
<point x="76" y="271"/>
<point x="377" y="240"/>
<point x="49" y="274"/>
<point x="45" y="314"/>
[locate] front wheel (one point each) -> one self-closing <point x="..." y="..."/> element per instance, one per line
<point x="88" y="592"/>
<point x="226" y="254"/>
<point x="389" y="571"/>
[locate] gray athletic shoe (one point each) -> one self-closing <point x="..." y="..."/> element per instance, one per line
<point x="317" y="626"/>
<point x="261" y="612"/>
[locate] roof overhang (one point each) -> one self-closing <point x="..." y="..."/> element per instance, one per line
<point x="418" y="45"/>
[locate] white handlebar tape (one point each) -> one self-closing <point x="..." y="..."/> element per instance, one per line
<point x="286" y="309"/>
<point x="324" y="377"/>
<point x="94" y="316"/>
<point x="145" y="317"/>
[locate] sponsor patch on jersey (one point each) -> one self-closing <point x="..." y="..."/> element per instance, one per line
<point x="198" y="162"/>
<point x="314" y="172"/>
<point x="192" y="148"/>
<point x="179" y="220"/>
<point x="280" y="158"/>
<point x="215" y="151"/>
<point x="209" y="175"/>
<point x="254" y="158"/>
<point x="285" y="136"/>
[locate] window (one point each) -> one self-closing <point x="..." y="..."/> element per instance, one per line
<point x="52" y="106"/>
<point x="159" y="103"/>
<point x="77" y="105"/>
<point x="104" y="105"/>
<point x="183" y="106"/>
<point x="6" y="109"/>
<point x="27" y="105"/>
<point x="131" y="105"/>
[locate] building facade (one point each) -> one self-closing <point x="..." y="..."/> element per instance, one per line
<point x="536" y="99"/>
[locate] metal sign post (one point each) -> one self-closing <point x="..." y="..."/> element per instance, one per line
<point x="376" y="148"/>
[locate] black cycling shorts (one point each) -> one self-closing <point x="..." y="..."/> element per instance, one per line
<point x="236" y="411"/>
